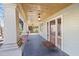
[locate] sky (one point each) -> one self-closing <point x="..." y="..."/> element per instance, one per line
<point x="1" y="10"/>
<point x="1" y="15"/>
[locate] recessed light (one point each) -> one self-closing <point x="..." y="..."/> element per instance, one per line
<point x="39" y="19"/>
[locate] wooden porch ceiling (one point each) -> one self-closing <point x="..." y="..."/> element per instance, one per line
<point x="45" y="9"/>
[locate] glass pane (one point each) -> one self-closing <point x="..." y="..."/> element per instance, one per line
<point x="59" y="32"/>
<point x="52" y="31"/>
<point x="59" y="26"/>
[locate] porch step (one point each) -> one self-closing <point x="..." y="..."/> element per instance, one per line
<point x="9" y="46"/>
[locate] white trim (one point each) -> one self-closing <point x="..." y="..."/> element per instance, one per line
<point x="56" y="33"/>
<point x="62" y="31"/>
<point x="61" y="16"/>
<point x="48" y="32"/>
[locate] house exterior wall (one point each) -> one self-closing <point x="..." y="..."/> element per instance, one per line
<point x="43" y="31"/>
<point x="70" y="29"/>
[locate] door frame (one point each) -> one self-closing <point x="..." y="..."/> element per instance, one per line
<point x="48" y="31"/>
<point x="62" y="34"/>
<point x="61" y="16"/>
<point x="54" y="31"/>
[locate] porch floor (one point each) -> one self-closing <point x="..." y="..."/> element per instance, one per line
<point x="34" y="47"/>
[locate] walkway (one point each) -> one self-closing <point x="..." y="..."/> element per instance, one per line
<point x="34" y="47"/>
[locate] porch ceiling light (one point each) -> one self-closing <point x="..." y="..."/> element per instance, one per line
<point x="39" y="16"/>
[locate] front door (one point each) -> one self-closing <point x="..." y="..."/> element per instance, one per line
<point x="52" y="31"/>
<point x="59" y="33"/>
